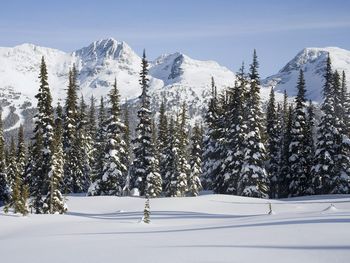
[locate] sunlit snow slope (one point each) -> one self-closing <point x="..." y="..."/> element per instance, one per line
<point x="210" y="228"/>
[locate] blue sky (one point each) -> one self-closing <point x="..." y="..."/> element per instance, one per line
<point x="223" y="30"/>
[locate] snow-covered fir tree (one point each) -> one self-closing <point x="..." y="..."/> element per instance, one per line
<point x="222" y="123"/>
<point x="345" y="102"/>
<point x="73" y="174"/>
<point x="234" y="143"/>
<point x="85" y="145"/>
<point x="19" y="191"/>
<point x="40" y="165"/>
<point x="183" y="142"/>
<point x="127" y="133"/>
<point x="341" y="179"/>
<point x="297" y="147"/>
<point x="209" y="140"/>
<point x="21" y="152"/>
<point x="146" y="212"/>
<point x="273" y="131"/>
<point x="54" y="202"/>
<point x="194" y="182"/>
<point x="171" y="159"/>
<point x="162" y="140"/>
<point x="253" y="179"/>
<point x="309" y="146"/>
<point x="128" y="148"/>
<point x="213" y="142"/>
<point x="146" y="176"/>
<point x="286" y="120"/>
<point x="112" y="179"/>
<point x="175" y="176"/>
<point x="155" y="182"/>
<point x="11" y="168"/>
<point x="99" y="145"/>
<point x="92" y="127"/>
<point x="4" y="183"/>
<point x="324" y="162"/>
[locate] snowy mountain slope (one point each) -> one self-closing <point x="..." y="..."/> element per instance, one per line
<point x="313" y="62"/>
<point x="182" y="79"/>
<point x="175" y="77"/>
<point x="210" y="228"/>
<point x="178" y="77"/>
<point x="103" y="61"/>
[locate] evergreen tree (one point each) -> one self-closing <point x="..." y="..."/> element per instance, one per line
<point x="12" y="171"/>
<point x="171" y="160"/>
<point x="194" y="182"/>
<point x="156" y="183"/>
<point x="40" y="165"/>
<point x="19" y="193"/>
<point x="73" y="174"/>
<point x="4" y="183"/>
<point x="309" y="146"/>
<point x="127" y="135"/>
<point x="176" y="177"/>
<point x="85" y="147"/>
<point x="21" y="152"/>
<point x="54" y="201"/>
<point x="114" y="171"/>
<point x="128" y="150"/>
<point x="162" y="140"/>
<point x="346" y="106"/>
<point x="211" y="164"/>
<point x="253" y="179"/>
<point x="324" y="161"/>
<point x="284" y="175"/>
<point x="146" y="177"/>
<point x="340" y="180"/>
<point x="183" y="141"/>
<point x="234" y="145"/>
<point x="297" y="148"/>
<point x="146" y="212"/>
<point x="100" y="142"/>
<point x="220" y="150"/>
<point x="273" y="129"/>
<point x="92" y="119"/>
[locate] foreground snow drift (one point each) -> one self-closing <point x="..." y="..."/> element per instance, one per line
<point x="210" y="228"/>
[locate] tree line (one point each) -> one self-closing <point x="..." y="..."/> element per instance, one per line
<point x="284" y="152"/>
<point x="78" y="148"/>
<point x="240" y="149"/>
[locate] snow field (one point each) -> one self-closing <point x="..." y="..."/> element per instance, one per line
<point x="208" y="228"/>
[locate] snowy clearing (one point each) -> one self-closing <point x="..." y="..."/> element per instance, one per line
<point x="208" y="228"/>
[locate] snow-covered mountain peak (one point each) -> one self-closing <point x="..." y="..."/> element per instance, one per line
<point x="313" y="62"/>
<point x="178" y="67"/>
<point x="106" y="49"/>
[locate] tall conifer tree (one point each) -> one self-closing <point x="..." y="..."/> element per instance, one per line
<point x="273" y="130"/>
<point x="297" y="147"/>
<point x="40" y="166"/>
<point x="194" y="182"/>
<point x="4" y="183"/>
<point x="253" y="179"/>
<point x="162" y="140"/>
<point x="324" y="162"/>
<point x="73" y="174"/>
<point x="234" y="144"/>
<point x="54" y="202"/>
<point x="146" y="176"/>
<point x="114" y="171"/>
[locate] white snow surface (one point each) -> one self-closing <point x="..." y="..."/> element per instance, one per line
<point x="208" y="228"/>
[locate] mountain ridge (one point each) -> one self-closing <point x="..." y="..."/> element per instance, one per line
<point x="175" y="76"/>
